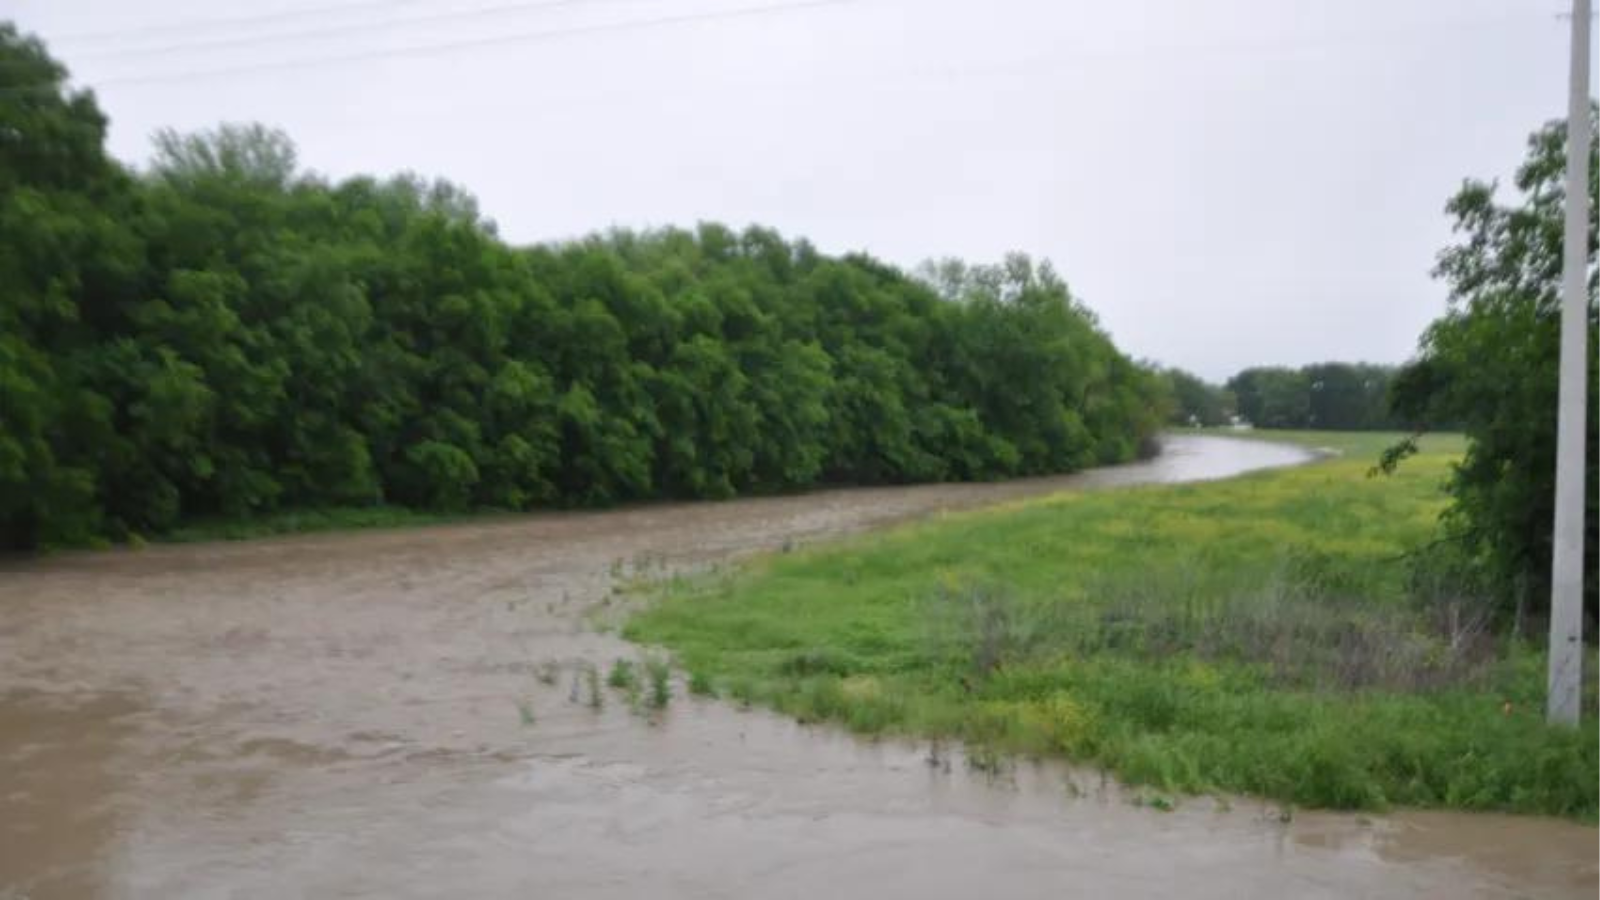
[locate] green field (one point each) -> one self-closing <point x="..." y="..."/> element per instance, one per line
<point x="1267" y="634"/>
<point x="1356" y="445"/>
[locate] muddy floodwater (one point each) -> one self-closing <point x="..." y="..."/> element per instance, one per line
<point x="367" y="714"/>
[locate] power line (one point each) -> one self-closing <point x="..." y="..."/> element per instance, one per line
<point x="451" y="46"/>
<point x="262" y="18"/>
<point x="1073" y="56"/>
<point x="330" y="30"/>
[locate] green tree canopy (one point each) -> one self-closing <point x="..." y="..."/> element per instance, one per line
<point x="1330" y="396"/>
<point x="1197" y="402"/>
<point x="226" y="335"/>
<point x="1490" y="364"/>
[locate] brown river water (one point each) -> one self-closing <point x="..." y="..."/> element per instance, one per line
<point x="341" y="716"/>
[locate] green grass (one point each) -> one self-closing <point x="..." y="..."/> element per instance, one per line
<point x="659" y="672"/>
<point x="622" y="676"/>
<point x="1262" y="634"/>
<point x="701" y="685"/>
<point x="1349" y="444"/>
<point x="351" y="518"/>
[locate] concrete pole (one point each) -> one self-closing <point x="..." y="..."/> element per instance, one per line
<point x="1566" y="566"/>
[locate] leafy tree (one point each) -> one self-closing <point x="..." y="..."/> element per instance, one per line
<point x="1490" y="364"/>
<point x="1273" y="397"/>
<point x="67" y="261"/>
<point x="1196" y="402"/>
<point x="1348" y="397"/>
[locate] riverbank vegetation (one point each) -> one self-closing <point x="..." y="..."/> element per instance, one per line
<point x="226" y="340"/>
<point x="1486" y="368"/>
<point x="1288" y="634"/>
<point x="1490" y="364"/>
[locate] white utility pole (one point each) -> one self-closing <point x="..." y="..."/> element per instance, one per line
<point x="1566" y="565"/>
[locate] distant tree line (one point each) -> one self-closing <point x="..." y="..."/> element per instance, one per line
<point x="1198" y="403"/>
<point x="225" y="334"/>
<point x="1332" y="396"/>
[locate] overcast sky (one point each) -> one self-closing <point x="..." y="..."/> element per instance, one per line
<point x="1226" y="182"/>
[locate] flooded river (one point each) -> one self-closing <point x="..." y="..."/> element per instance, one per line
<point x="349" y="715"/>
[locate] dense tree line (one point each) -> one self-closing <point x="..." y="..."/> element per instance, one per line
<point x="225" y="334"/>
<point x="1197" y="402"/>
<point x="1490" y="364"/>
<point x="1333" y="396"/>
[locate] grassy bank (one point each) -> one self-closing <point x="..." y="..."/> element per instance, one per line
<point x="1264" y="634"/>
<point x="1359" y="445"/>
<point x="356" y="518"/>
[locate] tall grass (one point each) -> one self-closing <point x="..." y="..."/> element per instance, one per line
<point x="1291" y="621"/>
<point x="1283" y="634"/>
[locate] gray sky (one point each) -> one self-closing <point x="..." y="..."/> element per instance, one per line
<point x="1226" y="182"/>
